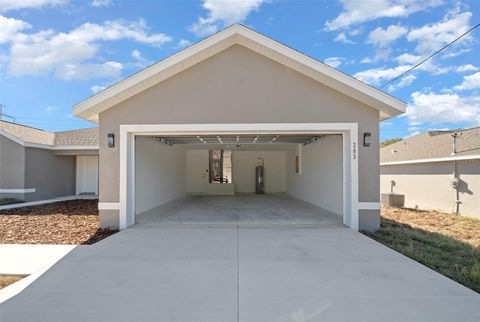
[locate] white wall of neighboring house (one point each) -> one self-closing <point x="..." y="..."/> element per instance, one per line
<point x="275" y="175"/>
<point x="428" y="185"/>
<point x="321" y="180"/>
<point x="159" y="173"/>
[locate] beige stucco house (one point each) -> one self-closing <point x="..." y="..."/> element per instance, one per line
<point x="38" y="165"/>
<point x="432" y="173"/>
<point x="244" y="97"/>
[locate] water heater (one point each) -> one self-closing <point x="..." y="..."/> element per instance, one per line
<point x="259" y="177"/>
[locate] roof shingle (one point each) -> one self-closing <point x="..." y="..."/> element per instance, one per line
<point x="432" y="144"/>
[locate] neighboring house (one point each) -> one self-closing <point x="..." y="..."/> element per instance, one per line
<point x="207" y="113"/>
<point x="431" y="175"/>
<point x="37" y="164"/>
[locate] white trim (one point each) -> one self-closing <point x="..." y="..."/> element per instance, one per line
<point x="349" y="133"/>
<point x="237" y="34"/>
<point x="30" y="190"/>
<point x="369" y="205"/>
<point x="452" y="158"/>
<point x="11" y="137"/>
<point x="108" y="206"/>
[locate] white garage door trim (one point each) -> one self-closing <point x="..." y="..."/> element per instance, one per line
<point x="349" y="133"/>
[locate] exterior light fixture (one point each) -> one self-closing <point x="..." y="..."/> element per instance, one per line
<point x="367" y="139"/>
<point x="111" y="140"/>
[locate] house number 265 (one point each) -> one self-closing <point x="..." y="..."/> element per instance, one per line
<point x="354" y="150"/>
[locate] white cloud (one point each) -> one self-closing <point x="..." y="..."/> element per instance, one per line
<point x="334" y="61"/>
<point x="408" y="59"/>
<point x="183" y="43"/>
<point x="432" y="37"/>
<point x="69" y="55"/>
<point x="469" y="82"/>
<point x="89" y="71"/>
<point x="366" y="60"/>
<point x="341" y="37"/>
<point x="403" y="82"/>
<point x="357" y="12"/>
<point x="100" y="3"/>
<point x="50" y="109"/>
<point x="376" y="76"/>
<point x="466" y="68"/>
<point x="9" y="27"/>
<point x="97" y="88"/>
<point x="222" y="13"/>
<point x="384" y="37"/>
<point x="443" y="108"/>
<point x="7" y="5"/>
<point x="140" y="61"/>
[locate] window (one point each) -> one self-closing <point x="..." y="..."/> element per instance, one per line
<point x="220" y="163"/>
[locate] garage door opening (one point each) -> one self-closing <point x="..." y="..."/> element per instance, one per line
<point x="308" y="167"/>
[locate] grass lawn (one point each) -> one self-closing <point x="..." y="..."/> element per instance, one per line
<point x="6" y="280"/>
<point x="446" y="243"/>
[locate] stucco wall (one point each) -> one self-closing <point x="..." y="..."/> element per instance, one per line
<point x="51" y="175"/>
<point x="275" y="173"/>
<point x="12" y="167"/>
<point x="239" y="86"/>
<point x="321" y="181"/>
<point x="427" y="185"/>
<point x="159" y="173"/>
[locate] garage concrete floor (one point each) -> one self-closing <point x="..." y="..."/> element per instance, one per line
<point x="176" y="268"/>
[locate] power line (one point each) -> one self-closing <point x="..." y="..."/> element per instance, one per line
<point x="438" y="51"/>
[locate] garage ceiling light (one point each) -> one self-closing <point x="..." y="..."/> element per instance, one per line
<point x="236" y="139"/>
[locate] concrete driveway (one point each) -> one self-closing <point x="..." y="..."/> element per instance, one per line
<point x="240" y="267"/>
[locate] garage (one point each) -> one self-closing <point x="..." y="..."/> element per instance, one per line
<point x="275" y="167"/>
<point x="197" y="123"/>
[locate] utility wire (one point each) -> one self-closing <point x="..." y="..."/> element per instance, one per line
<point x="438" y="51"/>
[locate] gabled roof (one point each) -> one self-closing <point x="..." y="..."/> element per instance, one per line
<point x="433" y="145"/>
<point x="33" y="137"/>
<point x="241" y="35"/>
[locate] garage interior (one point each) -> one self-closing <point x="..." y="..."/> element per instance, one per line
<point x="294" y="178"/>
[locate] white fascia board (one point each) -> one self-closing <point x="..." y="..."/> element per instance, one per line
<point x="453" y="158"/>
<point x="237" y="34"/>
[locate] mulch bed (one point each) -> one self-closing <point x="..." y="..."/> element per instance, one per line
<point x="66" y="222"/>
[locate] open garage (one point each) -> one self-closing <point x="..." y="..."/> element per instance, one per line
<point x="197" y="123"/>
<point x="280" y="169"/>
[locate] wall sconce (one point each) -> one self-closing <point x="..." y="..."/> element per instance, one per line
<point x="367" y="139"/>
<point x="111" y="140"/>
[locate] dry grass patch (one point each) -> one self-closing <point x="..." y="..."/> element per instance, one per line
<point x="66" y="222"/>
<point x="461" y="228"/>
<point x="445" y="243"/>
<point x="6" y="280"/>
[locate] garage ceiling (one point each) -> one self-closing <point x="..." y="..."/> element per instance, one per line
<point x="238" y="139"/>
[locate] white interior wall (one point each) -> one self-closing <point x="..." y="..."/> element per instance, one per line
<point x="321" y="178"/>
<point x="243" y="167"/>
<point x="159" y="173"/>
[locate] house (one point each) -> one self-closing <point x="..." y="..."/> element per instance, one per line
<point x="199" y="121"/>
<point x="37" y="164"/>
<point x="437" y="170"/>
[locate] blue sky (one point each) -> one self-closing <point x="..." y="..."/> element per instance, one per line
<point x="55" y="53"/>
